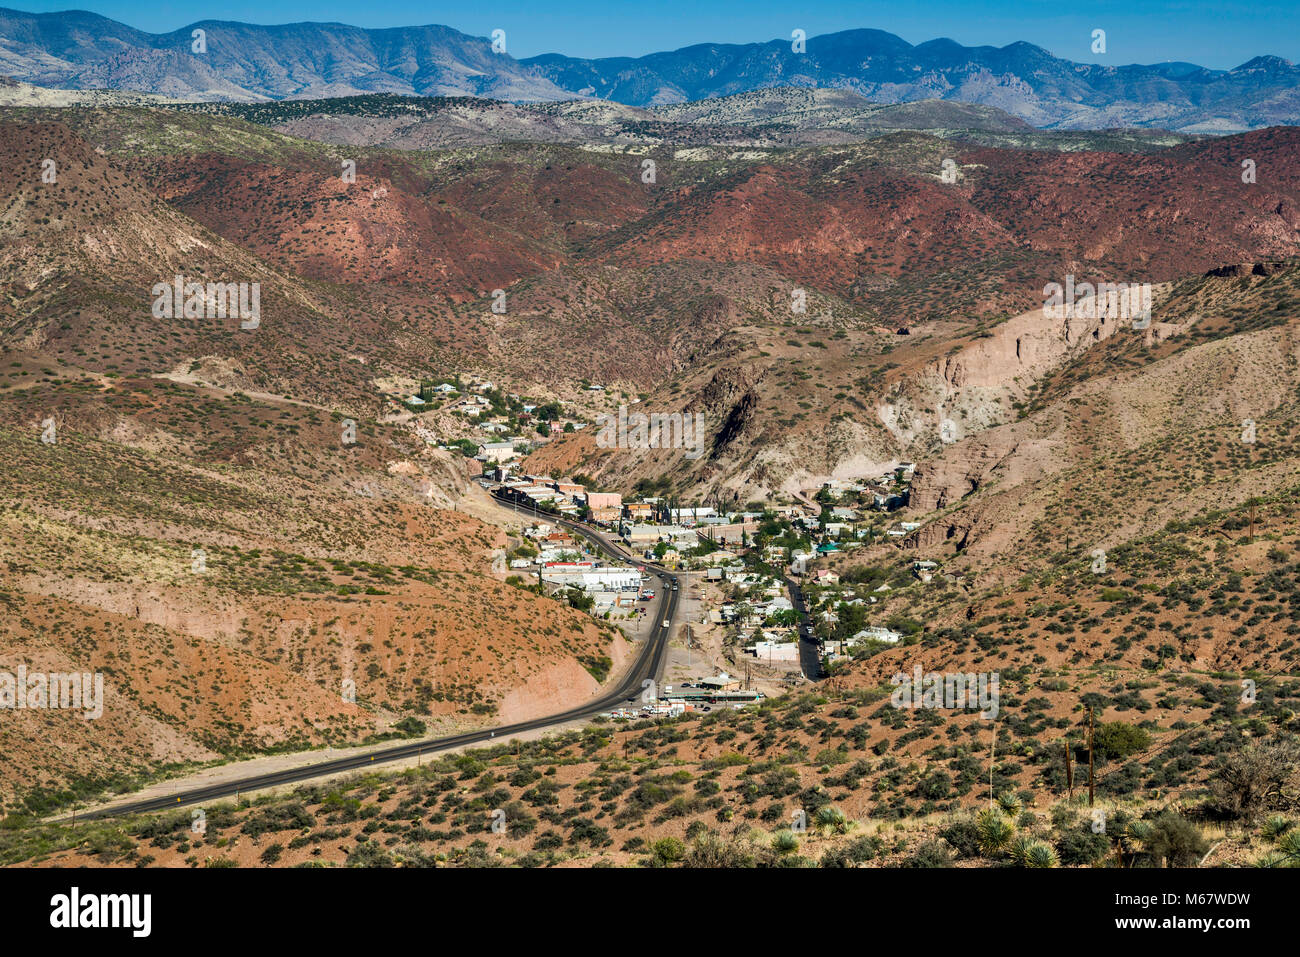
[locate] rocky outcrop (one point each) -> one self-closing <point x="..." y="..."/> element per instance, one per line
<point x="942" y="482"/>
<point x="1239" y="270"/>
<point x="729" y="398"/>
<point x="954" y="533"/>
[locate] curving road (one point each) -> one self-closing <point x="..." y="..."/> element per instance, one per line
<point x="648" y="664"/>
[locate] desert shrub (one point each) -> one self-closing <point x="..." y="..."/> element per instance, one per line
<point x="930" y="854"/>
<point x="852" y="852"/>
<point x="272" y="853"/>
<point x="710" y="850"/>
<point x="369" y="854"/>
<point x="666" y="851"/>
<point x="935" y="786"/>
<point x="1079" y="845"/>
<point x="1119" y="739"/>
<point x="278" y="817"/>
<point x="964" y="837"/>
<point x="1175" y="841"/>
<point x="1256" y="779"/>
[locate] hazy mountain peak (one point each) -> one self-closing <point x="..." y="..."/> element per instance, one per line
<point x="79" y="50"/>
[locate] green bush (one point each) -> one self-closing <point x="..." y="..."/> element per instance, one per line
<point x="1175" y="841"/>
<point x="963" y="836"/>
<point x="1080" y="845"/>
<point x="666" y="851"/>
<point x="1117" y="740"/>
<point x="930" y="854"/>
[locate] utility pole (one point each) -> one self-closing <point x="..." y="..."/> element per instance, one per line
<point x="993" y="746"/>
<point x="1069" y="770"/>
<point x="1091" y="793"/>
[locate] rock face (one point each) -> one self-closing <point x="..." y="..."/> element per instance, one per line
<point x="965" y="468"/>
<point x="1022" y="350"/>
<point x="1238" y="270"/>
<point x="970" y="390"/>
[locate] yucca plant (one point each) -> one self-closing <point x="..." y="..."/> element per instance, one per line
<point x="1276" y="826"/>
<point x="832" y="819"/>
<point x="1018" y="848"/>
<point x="784" y="842"/>
<point x="1129" y="838"/>
<point x="1040" y="854"/>
<point x="1009" y="803"/>
<point x="995" y="832"/>
<point x="1289" y="849"/>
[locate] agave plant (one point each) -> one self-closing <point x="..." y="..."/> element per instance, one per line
<point x="994" y="831"/>
<point x="1009" y="803"/>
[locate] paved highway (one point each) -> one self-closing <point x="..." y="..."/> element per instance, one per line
<point x="648" y="664"/>
<point x="810" y="653"/>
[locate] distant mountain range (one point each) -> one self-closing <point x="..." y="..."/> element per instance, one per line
<point x="246" y="62"/>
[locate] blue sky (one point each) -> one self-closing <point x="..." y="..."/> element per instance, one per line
<point x="1218" y="34"/>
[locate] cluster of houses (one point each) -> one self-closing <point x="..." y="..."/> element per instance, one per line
<point x="714" y="540"/>
<point x="720" y="690"/>
<point x="539" y="491"/>
<point x="563" y="562"/>
<point x="887" y="492"/>
<point x="671" y="535"/>
<point x="470" y="398"/>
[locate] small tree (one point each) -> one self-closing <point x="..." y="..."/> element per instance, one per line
<point x="1118" y="740"/>
<point x="666" y="851"/>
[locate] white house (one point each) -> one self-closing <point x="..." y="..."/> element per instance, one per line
<point x="877" y="633"/>
<point x="497" y="451"/>
<point x="774" y="650"/>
